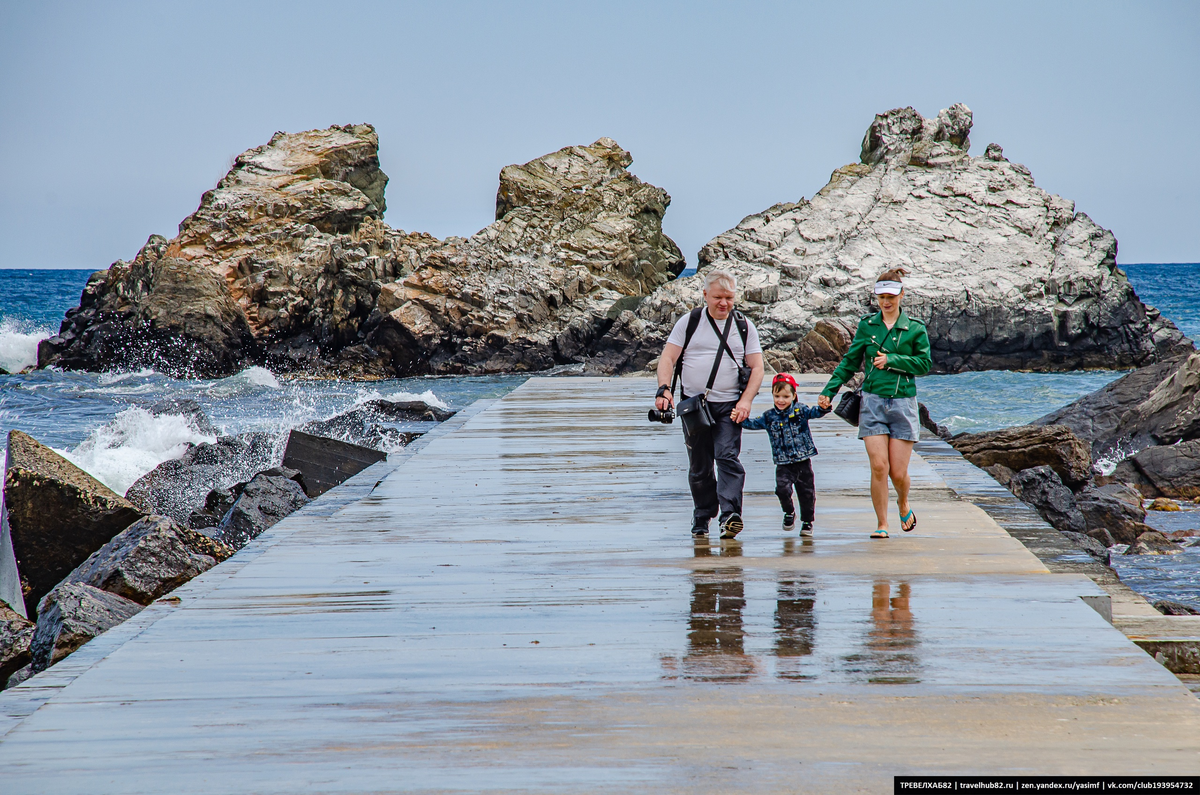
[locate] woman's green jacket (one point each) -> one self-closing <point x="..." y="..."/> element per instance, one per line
<point x="907" y="347"/>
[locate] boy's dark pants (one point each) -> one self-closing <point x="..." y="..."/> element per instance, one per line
<point x="799" y="474"/>
<point x="722" y="445"/>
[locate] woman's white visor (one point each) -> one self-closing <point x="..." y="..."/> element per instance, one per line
<point x="888" y="288"/>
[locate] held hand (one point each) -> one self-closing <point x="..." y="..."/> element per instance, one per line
<point x="740" y="412"/>
<point x="664" y="402"/>
<point x="880" y="361"/>
<point x="824" y="402"/>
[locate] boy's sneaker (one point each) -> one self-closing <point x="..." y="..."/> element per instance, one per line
<point x="731" y="526"/>
<point x="700" y="528"/>
<point x="789" y="522"/>
<point x="806" y="530"/>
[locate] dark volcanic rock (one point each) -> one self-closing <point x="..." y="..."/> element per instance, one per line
<point x="179" y="487"/>
<point x="1171" y="608"/>
<point x="1173" y="469"/>
<point x="1115" y="509"/>
<point x="70" y="616"/>
<point x="16" y="633"/>
<point x="1089" y="545"/>
<point x="58" y="514"/>
<point x="149" y="558"/>
<point x="1027" y="446"/>
<point x="264" y="501"/>
<point x="1156" y="404"/>
<point x="188" y="408"/>
<point x="1041" y="488"/>
<point x="368" y="425"/>
<point x="928" y="423"/>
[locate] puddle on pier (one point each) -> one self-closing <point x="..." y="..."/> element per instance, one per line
<point x="725" y="644"/>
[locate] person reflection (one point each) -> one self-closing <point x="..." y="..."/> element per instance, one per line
<point x="890" y="656"/>
<point x="716" y="638"/>
<point x="795" y="624"/>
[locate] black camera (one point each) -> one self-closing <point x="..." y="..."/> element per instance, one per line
<point x="666" y="416"/>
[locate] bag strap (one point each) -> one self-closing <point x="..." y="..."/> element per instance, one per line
<point x="692" y="325"/>
<point x="721" y="348"/>
<point x="724" y="347"/>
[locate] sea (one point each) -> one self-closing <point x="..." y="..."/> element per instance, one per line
<point x="101" y="421"/>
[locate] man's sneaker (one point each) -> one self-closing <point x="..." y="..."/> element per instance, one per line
<point x="789" y="522"/>
<point x="699" y="528"/>
<point x="806" y="529"/>
<point x="731" y="526"/>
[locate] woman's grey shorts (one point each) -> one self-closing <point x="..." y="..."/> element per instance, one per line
<point x="894" y="417"/>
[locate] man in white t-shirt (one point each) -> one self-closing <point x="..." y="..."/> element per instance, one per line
<point x="722" y="444"/>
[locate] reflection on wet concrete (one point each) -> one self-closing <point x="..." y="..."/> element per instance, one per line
<point x="795" y="623"/>
<point x="716" y="635"/>
<point x="890" y="655"/>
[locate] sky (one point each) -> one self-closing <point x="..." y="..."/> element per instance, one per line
<point x="115" y="117"/>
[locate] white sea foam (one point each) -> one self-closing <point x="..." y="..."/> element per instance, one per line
<point x="131" y="444"/>
<point x="252" y="379"/>
<point x="427" y="396"/>
<point x="18" y="345"/>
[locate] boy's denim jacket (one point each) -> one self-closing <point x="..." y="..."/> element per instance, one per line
<point x="791" y="441"/>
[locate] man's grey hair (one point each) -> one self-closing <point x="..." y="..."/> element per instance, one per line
<point x="718" y="275"/>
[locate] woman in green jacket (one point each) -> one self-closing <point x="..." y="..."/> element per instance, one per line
<point x="895" y="349"/>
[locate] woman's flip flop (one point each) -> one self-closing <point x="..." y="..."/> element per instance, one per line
<point x="879" y="534"/>
<point x="904" y="525"/>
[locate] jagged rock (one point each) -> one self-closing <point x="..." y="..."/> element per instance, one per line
<point x="264" y="501"/>
<point x="1089" y="545"/>
<point x="1173" y="469"/>
<point x="20" y="676"/>
<point x="178" y="487"/>
<point x="70" y="616"/>
<point x="16" y="633"/>
<point x="324" y="463"/>
<point x="928" y="423"/>
<point x="58" y="515"/>
<point x="186" y="407"/>
<point x="149" y="558"/>
<point x="576" y="242"/>
<point x="368" y="425"/>
<point x="1001" y="473"/>
<point x="1112" y="513"/>
<point x="1171" y="608"/>
<point x="287" y="263"/>
<point x="1156" y="404"/>
<point x="1004" y="274"/>
<point x="1041" y="488"/>
<point x="1027" y="446"/>
<point x="1153" y="542"/>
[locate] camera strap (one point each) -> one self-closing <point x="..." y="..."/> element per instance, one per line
<point x="693" y="323"/>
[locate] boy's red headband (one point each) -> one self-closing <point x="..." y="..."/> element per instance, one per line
<point x="787" y="379"/>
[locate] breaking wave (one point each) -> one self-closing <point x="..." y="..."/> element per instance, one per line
<point x="19" y="343"/>
<point x="131" y="444"/>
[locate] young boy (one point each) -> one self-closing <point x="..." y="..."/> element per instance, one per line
<point x="792" y="448"/>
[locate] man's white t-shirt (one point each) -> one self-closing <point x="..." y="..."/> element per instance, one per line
<point x="698" y="357"/>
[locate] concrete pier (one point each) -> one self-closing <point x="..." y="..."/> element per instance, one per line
<point x="516" y="605"/>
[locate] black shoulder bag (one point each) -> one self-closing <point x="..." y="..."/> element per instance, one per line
<point x="693" y="412"/>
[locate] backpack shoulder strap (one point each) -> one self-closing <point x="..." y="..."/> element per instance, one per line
<point x="692" y="325"/>
<point x="742" y="325"/>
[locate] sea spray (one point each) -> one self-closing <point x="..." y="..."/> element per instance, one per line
<point x="133" y="443"/>
<point x="19" y="344"/>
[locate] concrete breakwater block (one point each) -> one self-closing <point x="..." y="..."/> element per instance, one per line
<point x="324" y="462"/>
<point x="58" y="515"/>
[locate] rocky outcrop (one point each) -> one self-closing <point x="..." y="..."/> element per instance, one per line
<point x="1027" y="446"/>
<point x="151" y="557"/>
<point x="372" y="423"/>
<point x="16" y="633"/>
<point x="265" y="500"/>
<point x="180" y="486"/>
<point x="1004" y="274"/>
<point x="1153" y="542"/>
<point x="70" y="616"/>
<point x="1041" y="488"/>
<point x="1174" y="470"/>
<point x="1113" y="514"/>
<point x="58" y="515"/>
<point x="577" y="241"/>
<point x="288" y="263"/>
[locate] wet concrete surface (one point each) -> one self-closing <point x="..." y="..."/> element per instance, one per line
<point x="518" y="607"/>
